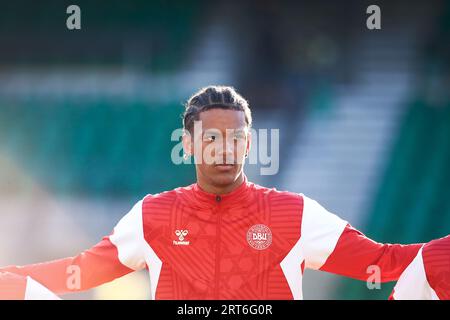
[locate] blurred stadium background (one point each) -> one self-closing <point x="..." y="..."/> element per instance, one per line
<point x="86" y="116"/>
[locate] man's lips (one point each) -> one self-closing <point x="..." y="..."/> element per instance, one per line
<point x="224" y="166"/>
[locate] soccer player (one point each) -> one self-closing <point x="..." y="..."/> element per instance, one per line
<point x="16" y="287"/>
<point x="428" y="275"/>
<point x="223" y="237"/>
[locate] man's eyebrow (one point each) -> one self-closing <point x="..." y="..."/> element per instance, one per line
<point x="210" y="130"/>
<point x="216" y="130"/>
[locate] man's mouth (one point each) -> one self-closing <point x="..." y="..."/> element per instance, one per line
<point x="224" y="166"/>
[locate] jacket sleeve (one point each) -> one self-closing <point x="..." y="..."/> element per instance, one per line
<point x="16" y="287"/>
<point x="114" y="256"/>
<point x="333" y="245"/>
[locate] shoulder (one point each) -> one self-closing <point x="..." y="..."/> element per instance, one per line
<point x="438" y="245"/>
<point x="165" y="198"/>
<point x="278" y="196"/>
<point x="436" y="255"/>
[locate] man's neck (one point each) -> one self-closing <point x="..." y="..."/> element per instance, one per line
<point x="210" y="188"/>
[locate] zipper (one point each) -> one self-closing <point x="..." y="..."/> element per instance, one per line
<point x="218" y="239"/>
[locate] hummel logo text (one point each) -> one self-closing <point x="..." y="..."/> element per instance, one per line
<point x="181" y="234"/>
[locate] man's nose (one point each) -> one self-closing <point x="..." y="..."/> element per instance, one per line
<point x="226" y="152"/>
<point x="227" y="148"/>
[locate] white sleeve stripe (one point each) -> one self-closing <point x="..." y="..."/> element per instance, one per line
<point x="413" y="283"/>
<point x="154" y="266"/>
<point x="36" y="291"/>
<point x="128" y="237"/>
<point x="133" y="250"/>
<point x="321" y="231"/>
<point x="291" y="267"/>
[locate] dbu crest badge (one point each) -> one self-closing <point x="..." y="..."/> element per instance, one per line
<point x="259" y="237"/>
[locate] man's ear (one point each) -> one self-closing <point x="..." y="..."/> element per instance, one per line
<point x="187" y="143"/>
<point x="249" y="143"/>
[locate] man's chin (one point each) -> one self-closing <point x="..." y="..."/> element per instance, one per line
<point x="225" y="178"/>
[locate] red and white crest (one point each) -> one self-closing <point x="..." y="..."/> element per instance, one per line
<point x="259" y="236"/>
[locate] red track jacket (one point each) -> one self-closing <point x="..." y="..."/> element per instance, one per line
<point x="253" y="243"/>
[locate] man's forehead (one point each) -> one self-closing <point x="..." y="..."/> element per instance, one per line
<point x="223" y="127"/>
<point x="213" y="129"/>
<point x="222" y="115"/>
<point x="222" y="120"/>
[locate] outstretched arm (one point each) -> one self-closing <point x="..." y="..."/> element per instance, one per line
<point x="91" y="268"/>
<point x="332" y="245"/>
<point x="114" y="256"/>
<point x="355" y="253"/>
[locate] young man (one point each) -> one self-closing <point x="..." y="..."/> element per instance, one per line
<point x="223" y="237"/>
<point x="428" y="276"/>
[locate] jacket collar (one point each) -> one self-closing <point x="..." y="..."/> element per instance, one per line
<point x="236" y="196"/>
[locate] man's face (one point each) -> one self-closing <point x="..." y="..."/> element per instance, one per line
<point x="219" y="144"/>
